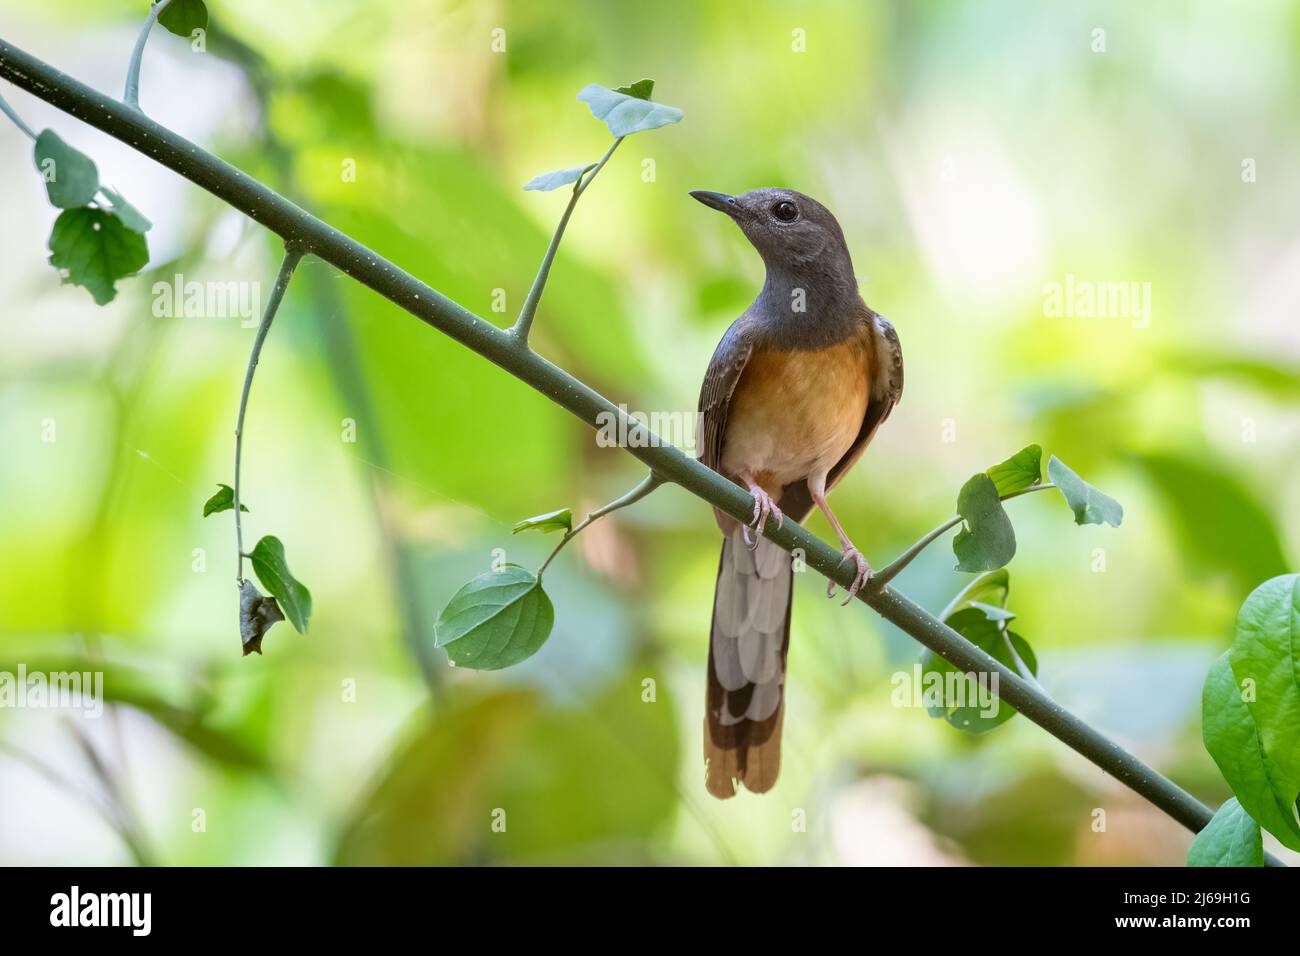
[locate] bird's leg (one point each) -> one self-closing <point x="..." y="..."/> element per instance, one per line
<point x="764" y="506"/>
<point x="848" y="549"/>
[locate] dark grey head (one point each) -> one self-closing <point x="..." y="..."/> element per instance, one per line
<point x="787" y="228"/>
<point x="810" y="276"/>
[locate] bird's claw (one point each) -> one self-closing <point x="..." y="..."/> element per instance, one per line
<point x="764" y="507"/>
<point x="863" y="575"/>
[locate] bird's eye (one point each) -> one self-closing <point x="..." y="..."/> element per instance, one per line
<point x="785" y="211"/>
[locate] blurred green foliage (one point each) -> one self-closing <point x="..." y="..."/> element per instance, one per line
<point x="974" y="153"/>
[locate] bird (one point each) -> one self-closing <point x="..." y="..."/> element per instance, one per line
<point x="794" y="393"/>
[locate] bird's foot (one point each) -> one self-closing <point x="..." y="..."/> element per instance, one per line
<point x="764" y="507"/>
<point x="864" y="572"/>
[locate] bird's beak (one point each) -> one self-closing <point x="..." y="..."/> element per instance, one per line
<point x="719" y="201"/>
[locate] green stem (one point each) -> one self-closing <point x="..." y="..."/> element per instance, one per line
<point x="524" y="323"/>
<point x="131" y="95"/>
<point x="501" y="347"/>
<point x="647" y="485"/>
<point x="292" y="256"/>
<point x="891" y="571"/>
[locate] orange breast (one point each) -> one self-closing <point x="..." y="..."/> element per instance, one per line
<point x="795" y="414"/>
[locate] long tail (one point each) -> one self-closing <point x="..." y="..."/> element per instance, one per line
<point x="747" y="650"/>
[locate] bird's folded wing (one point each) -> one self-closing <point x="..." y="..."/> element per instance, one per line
<point x="725" y="368"/>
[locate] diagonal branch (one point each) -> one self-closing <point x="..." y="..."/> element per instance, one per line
<point x="298" y="226"/>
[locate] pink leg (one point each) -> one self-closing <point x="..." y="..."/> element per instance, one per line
<point x="848" y="549"/>
<point x="764" y="507"/>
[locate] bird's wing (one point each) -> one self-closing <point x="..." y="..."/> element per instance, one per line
<point x="885" y="390"/>
<point x="725" y="368"/>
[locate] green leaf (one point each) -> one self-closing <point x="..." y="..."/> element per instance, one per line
<point x="498" y="619"/>
<point x="131" y="217"/>
<point x="92" y="248"/>
<point x="1266" y="652"/>
<point x="273" y="571"/>
<point x="223" y="500"/>
<point x="1018" y="472"/>
<point x="554" y="180"/>
<point x="561" y="520"/>
<point x="987" y="541"/>
<point x="993" y="612"/>
<point x="954" y="702"/>
<point x="1232" y="838"/>
<point x="992" y="588"/>
<point x="183" y="17"/>
<point x="1089" y="505"/>
<point x="1232" y="738"/>
<point x="641" y="89"/>
<point x="626" y="114"/>
<point x="71" y="179"/>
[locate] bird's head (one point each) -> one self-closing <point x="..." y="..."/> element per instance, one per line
<point x="789" y="230"/>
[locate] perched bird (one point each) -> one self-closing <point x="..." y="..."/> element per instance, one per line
<point x="794" y="393"/>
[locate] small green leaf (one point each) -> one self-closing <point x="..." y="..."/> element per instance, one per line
<point x="992" y="612"/>
<point x="1020" y="471"/>
<point x="71" y="179"/>
<point x="131" y="217"/>
<point x="93" y="248"/>
<point x="1233" y="740"/>
<point x="949" y="692"/>
<point x="498" y="619"/>
<point x="987" y="541"/>
<point x="1232" y="838"/>
<point x="992" y="587"/>
<point x="223" y="500"/>
<point x="1089" y="505"/>
<point x="641" y="89"/>
<point x="626" y="114"/>
<point x="273" y="571"/>
<point x="183" y="17"/>
<point x="554" y="180"/>
<point x="561" y="520"/>
<point x="1266" y="652"/>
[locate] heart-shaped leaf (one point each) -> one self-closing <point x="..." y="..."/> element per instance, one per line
<point x="955" y="696"/>
<point x="1266" y="652"/>
<point x="554" y="180"/>
<point x="1018" y="472"/>
<point x="93" y="248"/>
<point x="273" y="571"/>
<point x="1232" y="838"/>
<point x="223" y="500"/>
<point x="183" y="17"/>
<point x="988" y="541"/>
<point x="625" y="113"/>
<point x="1233" y="740"/>
<point x="1089" y="505"/>
<point x="256" y="615"/>
<point x="71" y="179"/>
<point x="498" y="619"/>
<point x="561" y="520"/>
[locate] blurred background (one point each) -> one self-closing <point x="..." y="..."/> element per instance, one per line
<point x="975" y="154"/>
